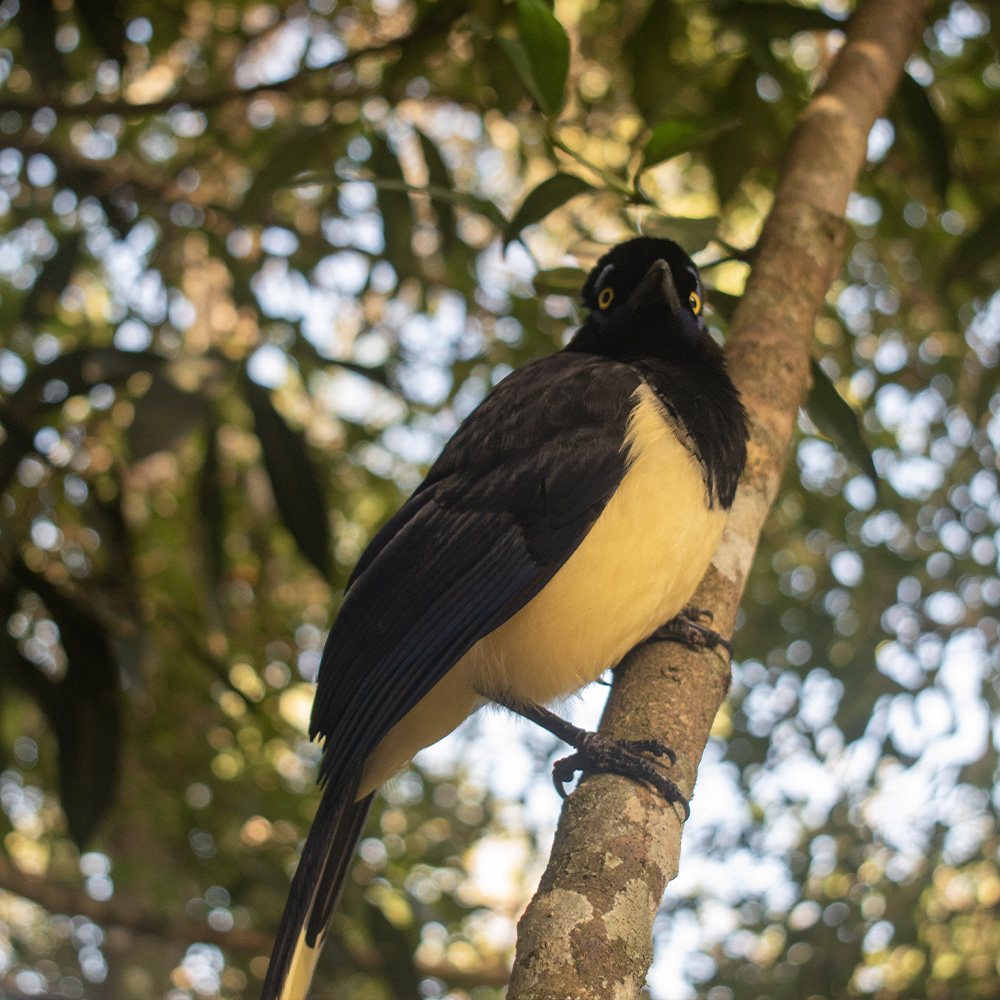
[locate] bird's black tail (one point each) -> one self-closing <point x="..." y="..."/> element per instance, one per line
<point x="315" y="891"/>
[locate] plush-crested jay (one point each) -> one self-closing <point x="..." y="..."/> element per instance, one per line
<point x="570" y="517"/>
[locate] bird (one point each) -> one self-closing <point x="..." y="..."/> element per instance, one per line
<point x="570" y="517"/>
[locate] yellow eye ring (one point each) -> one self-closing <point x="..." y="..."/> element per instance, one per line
<point x="604" y="299"/>
<point x="695" y="299"/>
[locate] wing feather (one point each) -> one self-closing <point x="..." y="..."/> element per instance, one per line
<point x="509" y="500"/>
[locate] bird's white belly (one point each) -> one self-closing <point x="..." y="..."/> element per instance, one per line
<point x="636" y="568"/>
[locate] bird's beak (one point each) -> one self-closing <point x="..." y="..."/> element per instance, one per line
<point x="656" y="288"/>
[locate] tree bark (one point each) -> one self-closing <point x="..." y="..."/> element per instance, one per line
<point x="587" y="933"/>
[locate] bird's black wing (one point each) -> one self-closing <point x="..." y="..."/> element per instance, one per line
<point x="508" y="501"/>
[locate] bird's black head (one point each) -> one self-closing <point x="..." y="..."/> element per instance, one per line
<point x="644" y="296"/>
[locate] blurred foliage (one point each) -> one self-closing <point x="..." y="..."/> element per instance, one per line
<point x="257" y="260"/>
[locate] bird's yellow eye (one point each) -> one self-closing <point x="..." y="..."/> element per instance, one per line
<point x="604" y="299"/>
<point x="695" y="299"/>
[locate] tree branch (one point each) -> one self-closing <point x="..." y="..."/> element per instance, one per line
<point x="130" y="914"/>
<point x="195" y="100"/>
<point x="587" y="934"/>
<point x="137" y="919"/>
<point x="206" y="99"/>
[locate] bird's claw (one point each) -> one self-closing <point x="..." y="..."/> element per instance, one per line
<point x="691" y="628"/>
<point x="624" y="757"/>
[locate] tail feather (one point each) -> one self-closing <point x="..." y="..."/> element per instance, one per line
<point x="315" y="891"/>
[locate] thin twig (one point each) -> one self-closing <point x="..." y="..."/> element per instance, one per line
<point x="204" y="100"/>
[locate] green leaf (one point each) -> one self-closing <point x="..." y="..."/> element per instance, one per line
<point x="296" y="486"/>
<point x="976" y="249"/>
<point x="691" y="234"/>
<point x="18" y="440"/>
<point x="85" y="180"/>
<point x="38" y="24"/>
<point x="119" y="219"/>
<point x="546" y="47"/>
<point x="673" y="137"/>
<point x="85" y="713"/>
<point x="916" y="106"/>
<point x="105" y="26"/>
<point x="439" y="181"/>
<point x="163" y="415"/>
<point x="547" y="197"/>
<point x="395" y="208"/>
<point x="750" y="146"/>
<point x="559" y="281"/>
<point x="838" y="420"/>
<point x="52" y="280"/>
<point x="454" y="251"/>
<point x="777" y="20"/>
<point x="435" y="17"/>
<point x="517" y="54"/>
<point x="495" y="57"/>
<point x="854" y="714"/>
<point x="290" y="156"/>
<point x="211" y="509"/>
<point x="88" y="729"/>
<point x="656" y="79"/>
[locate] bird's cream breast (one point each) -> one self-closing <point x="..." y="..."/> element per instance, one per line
<point x="636" y="568"/>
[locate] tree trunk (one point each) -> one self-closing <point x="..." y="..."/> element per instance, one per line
<point x="587" y="933"/>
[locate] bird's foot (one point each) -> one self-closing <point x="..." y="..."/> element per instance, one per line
<point x="595" y="752"/>
<point x="691" y="628"/>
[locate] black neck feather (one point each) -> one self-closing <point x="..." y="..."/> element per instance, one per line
<point x="698" y="393"/>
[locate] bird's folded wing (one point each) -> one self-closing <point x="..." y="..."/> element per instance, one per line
<point x="509" y="500"/>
